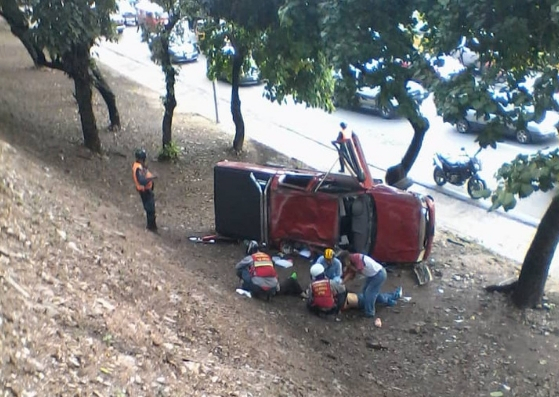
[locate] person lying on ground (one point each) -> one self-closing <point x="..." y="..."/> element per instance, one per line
<point x="375" y="276"/>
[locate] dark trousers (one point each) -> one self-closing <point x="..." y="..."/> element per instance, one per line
<point x="148" y="200"/>
<point x="255" y="290"/>
<point x="342" y="153"/>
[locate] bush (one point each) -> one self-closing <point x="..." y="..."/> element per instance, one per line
<point x="171" y="151"/>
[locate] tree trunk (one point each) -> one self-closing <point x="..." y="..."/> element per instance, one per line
<point x="239" y="139"/>
<point x="170" y="101"/>
<point x="108" y="96"/>
<point x="77" y="61"/>
<point x="400" y="171"/>
<point x="531" y="283"/>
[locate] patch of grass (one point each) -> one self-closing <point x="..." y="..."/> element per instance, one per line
<point x="171" y="151"/>
<point x="108" y="339"/>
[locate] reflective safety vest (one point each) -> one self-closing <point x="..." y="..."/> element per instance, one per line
<point x="263" y="266"/>
<point x="322" y="295"/>
<point x="139" y="187"/>
<point x="345" y="134"/>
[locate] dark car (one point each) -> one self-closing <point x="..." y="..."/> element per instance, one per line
<point x="367" y="98"/>
<point x="248" y="77"/>
<point x="282" y="206"/>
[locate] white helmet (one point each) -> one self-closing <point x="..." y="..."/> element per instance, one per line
<point x="316" y="270"/>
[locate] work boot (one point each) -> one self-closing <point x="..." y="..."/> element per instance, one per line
<point x="152" y="225"/>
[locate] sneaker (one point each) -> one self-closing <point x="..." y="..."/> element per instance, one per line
<point x="399" y="292"/>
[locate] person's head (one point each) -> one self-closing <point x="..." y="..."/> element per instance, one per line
<point x="317" y="272"/>
<point x="343" y="256"/>
<point x="140" y="155"/>
<point x="343" y="125"/>
<point x="252" y="247"/>
<point x="329" y="255"/>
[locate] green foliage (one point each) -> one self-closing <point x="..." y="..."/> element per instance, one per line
<point x="293" y="60"/>
<point x="58" y="25"/>
<point x="171" y="151"/>
<point x="355" y="32"/>
<point x="282" y="38"/>
<point x="514" y="37"/>
<point x="523" y="176"/>
<point x="220" y="62"/>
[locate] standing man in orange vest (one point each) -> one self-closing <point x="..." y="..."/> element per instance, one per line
<point x="324" y="296"/>
<point x="343" y="137"/>
<point x="143" y="180"/>
<point x="257" y="273"/>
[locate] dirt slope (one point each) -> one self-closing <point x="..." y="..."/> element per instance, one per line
<point x="91" y="304"/>
<point x="84" y="310"/>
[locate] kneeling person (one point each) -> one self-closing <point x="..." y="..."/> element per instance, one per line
<point x="257" y="273"/>
<point x="324" y="295"/>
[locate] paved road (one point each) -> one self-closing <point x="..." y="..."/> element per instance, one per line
<point x="306" y="134"/>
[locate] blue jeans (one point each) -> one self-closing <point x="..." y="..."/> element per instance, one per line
<point x="371" y="294"/>
<point x="244" y="274"/>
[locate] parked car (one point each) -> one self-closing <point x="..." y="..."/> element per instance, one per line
<point x="128" y="12"/>
<point x="118" y="20"/>
<point x="249" y="77"/>
<point x="367" y="98"/>
<point x="150" y="15"/>
<point x="535" y="131"/>
<point x="446" y="66"/>
<point x="285" y="207"/>
<point x="183" y="51"/>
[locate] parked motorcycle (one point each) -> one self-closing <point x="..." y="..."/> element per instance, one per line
<point x="458" y="170"/>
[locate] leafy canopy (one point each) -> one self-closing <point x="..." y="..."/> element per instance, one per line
<point x="514" y="40"/>
<point x="58" y="25"/>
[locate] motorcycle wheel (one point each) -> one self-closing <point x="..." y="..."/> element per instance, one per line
<point x="438" y="176"/>
<point x="475" y="186"/>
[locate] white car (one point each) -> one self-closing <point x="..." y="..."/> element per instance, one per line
<point x="118" y="20"/>
<point x="128" y="12"/>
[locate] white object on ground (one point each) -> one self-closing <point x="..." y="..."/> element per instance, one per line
<point x="283" y="263"/>
<point x="243" y="292"/>
<point x="305" y="252"/>
<point x="406" y="298"/>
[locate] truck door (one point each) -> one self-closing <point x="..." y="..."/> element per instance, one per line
<point x="297" y="213"/>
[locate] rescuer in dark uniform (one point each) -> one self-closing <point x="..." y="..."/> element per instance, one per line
<point x="143" y="180"/>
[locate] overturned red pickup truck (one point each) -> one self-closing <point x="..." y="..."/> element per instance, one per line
<point x="278" y="206"/>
